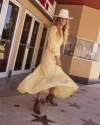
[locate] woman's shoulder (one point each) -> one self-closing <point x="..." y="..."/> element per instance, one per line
<point x="53" y="28"/>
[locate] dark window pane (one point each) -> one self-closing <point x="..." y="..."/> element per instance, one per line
<point x="34" y="34"/>
<point x="44" y="33"/>
<point x="70" y="46"/>
<point x="26" y="29"/>
<point x="20" y="57"/>
<point x="29" y="58"/>
<point x="39" y="57"/>
<point x="1" y="2"/>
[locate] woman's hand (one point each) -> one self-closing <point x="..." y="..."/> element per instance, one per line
<point x="58" y="63"/>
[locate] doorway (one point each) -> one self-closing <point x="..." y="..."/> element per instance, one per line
<point x="27" y="44"/>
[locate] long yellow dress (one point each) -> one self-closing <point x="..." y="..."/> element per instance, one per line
<point x="48" y="74"/>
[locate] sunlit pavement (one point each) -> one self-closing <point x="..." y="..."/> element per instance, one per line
<point x="81" y="108"/>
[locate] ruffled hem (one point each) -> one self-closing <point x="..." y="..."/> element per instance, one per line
<point x="64" y="85"/>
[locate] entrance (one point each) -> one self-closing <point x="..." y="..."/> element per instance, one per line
<point x="9" y="17"/>
<point x="27" y="45"/>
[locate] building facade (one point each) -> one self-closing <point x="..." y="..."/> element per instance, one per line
<point x="24" y="26"/>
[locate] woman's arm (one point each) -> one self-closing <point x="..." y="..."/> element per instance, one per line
<point x="52" y="43"/>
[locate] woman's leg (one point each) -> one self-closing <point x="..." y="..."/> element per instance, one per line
<point x="37" y="103"/>
<point x="51" y="91"/>
<point x="39" y="95"/>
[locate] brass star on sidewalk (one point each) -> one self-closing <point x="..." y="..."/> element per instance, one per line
<point x="97" y="88"/>
<point x="75" y="105"/>
<point x="83" y="90"/>
<point x="98" y="115"/>
<point x="89" y="122"/>
<point x="63" y="111"/>
<point x="16" y="105"/>
<point x="77" y="92"/>
<point x="42" y="119"/>
<point x="42" y="100"/>
<point x="95" y="99"/>
<point x="72" y="96"/>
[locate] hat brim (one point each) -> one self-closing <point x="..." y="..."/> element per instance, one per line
<point x="64" y="17"/>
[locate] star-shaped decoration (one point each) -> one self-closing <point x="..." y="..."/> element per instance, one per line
<point x="63" y="111"/>
<point x="83" y="90"/>
<point x="72" y="96"/>
<point x="89" y="102"/>
<point x="42" y="119"/>
<point x="95" y="99"/>
<point x="16" y="105"/>
<point x="77" y="92"/>
<point x="75" y="105"/>
<point x="89" y="122"/>
<point x="42" y="100"/>
<point x="98" y="115"/>
<point x="97" y="88"/>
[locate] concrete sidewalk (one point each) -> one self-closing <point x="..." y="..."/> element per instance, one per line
<point x="81" y="108"/>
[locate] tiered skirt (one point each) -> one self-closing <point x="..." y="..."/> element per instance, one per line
<point x="48" y="75"/>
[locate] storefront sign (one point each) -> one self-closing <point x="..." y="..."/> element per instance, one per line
<point x="47" y="7"/>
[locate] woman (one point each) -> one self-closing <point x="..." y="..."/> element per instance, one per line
<point x="49" y="77"/>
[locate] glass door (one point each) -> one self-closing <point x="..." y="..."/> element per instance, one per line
<point x="27" y="44"/>
<point x="9" y="20"/>
<point x="32" y="46"/>
<point x="42" y="45"/>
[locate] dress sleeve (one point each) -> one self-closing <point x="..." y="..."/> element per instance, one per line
<point x="52" y="41"/>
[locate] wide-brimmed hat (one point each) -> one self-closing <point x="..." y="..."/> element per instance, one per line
<point x="64" y="14"/>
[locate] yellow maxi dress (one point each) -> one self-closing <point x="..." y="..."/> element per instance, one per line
<point x="48" y="74"/>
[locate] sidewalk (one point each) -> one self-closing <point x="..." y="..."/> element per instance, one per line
<point x="81" y="108"/>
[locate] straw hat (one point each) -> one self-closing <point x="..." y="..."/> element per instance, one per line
<point x="64" y="14"/>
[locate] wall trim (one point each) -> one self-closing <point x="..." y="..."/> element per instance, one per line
<point x="41" y="10"/>
<point x="83" y="80"/>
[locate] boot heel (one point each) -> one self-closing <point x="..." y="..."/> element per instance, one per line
<point x="46" y="100"/>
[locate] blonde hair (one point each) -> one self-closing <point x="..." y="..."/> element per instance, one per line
<point x="64" y="29"/>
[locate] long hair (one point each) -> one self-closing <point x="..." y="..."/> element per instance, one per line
<point x="64" y="29"/>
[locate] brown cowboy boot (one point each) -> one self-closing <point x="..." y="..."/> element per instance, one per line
<point x="37" y="107"/>
<point x="49" y="98"/>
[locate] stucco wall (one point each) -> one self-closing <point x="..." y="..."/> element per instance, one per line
<point x="89" y="23"/>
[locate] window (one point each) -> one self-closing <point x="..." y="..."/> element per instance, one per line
<point x="82" y="49"/>
<point x="70" y="46"/>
